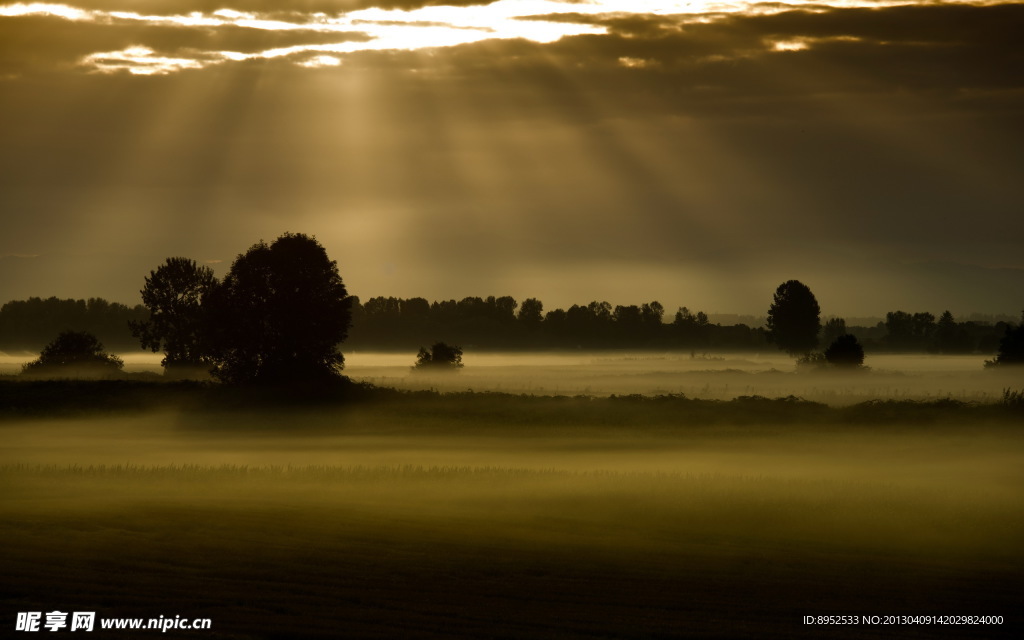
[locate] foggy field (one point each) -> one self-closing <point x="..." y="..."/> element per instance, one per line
<point x="537" y="505"/>
<point x="479" y="516"/>
<point x="712" y="376"/>
<point x="720" y="376"/>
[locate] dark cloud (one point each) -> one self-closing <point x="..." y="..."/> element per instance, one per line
<point x="930" y="23"/>
<point x="893" y="63"/>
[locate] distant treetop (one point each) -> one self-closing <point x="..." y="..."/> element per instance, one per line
<point x="794" y="318"/>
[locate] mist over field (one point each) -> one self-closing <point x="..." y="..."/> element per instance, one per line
<point x="720" y="376"/>
<point x="699" y="375"/>
<point x="459" y="514"/>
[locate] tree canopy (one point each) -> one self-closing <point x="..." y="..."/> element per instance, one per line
<point x="174" y="294"/>
<point x="794" y="318"/>
<point x="279" y="314"/>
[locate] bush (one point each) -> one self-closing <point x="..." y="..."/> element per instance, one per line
<point x="75" y="354"/>
<point x="441" y="357"/>
<point x="845" y="351"/>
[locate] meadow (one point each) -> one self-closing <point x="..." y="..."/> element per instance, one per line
<point x="500" y="515"/>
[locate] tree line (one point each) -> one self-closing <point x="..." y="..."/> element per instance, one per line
<point x="282" y="312"/>
<point x="503" y="323"/>
<point x="390" y="323"/>
<point x="28" y="325"/>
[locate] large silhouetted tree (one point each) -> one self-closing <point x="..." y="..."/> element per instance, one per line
<point x="174" y="295"/>
<point x="794" y="318"/>
<point x="279" y="315"/>
<point x="74" y="354"/>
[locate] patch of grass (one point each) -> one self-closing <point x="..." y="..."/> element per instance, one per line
<point x="1013" y="399"/>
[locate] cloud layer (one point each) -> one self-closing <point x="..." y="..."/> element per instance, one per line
<point x="173" y="38"/>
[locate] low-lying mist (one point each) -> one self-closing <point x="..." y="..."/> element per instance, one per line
<point x="674" y="513"/>
<point x="426" y="515"/>
<point x="718" y="376"/>
<point x="710" y="376"/>
<point x="890" y="489"/>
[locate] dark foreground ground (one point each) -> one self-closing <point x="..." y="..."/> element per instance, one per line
<point x="295" y="574"/>
<point x="484" y="553"/>
<point x="458" y="521"/>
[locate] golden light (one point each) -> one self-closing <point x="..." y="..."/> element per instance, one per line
<point x="138" y="60"/>
<point x="421" y="28"/>
<point x="44" y="9"/>
<point x="321" y="61"/>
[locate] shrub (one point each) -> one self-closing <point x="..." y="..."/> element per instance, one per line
<point x="74" y="354"/>
<point x="845" y="351"/>
<point x="440" y="357"/>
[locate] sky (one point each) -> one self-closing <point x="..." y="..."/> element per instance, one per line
<point x="694" y="153"/>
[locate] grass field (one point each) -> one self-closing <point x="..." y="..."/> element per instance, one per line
<point x="494" y="516"/>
